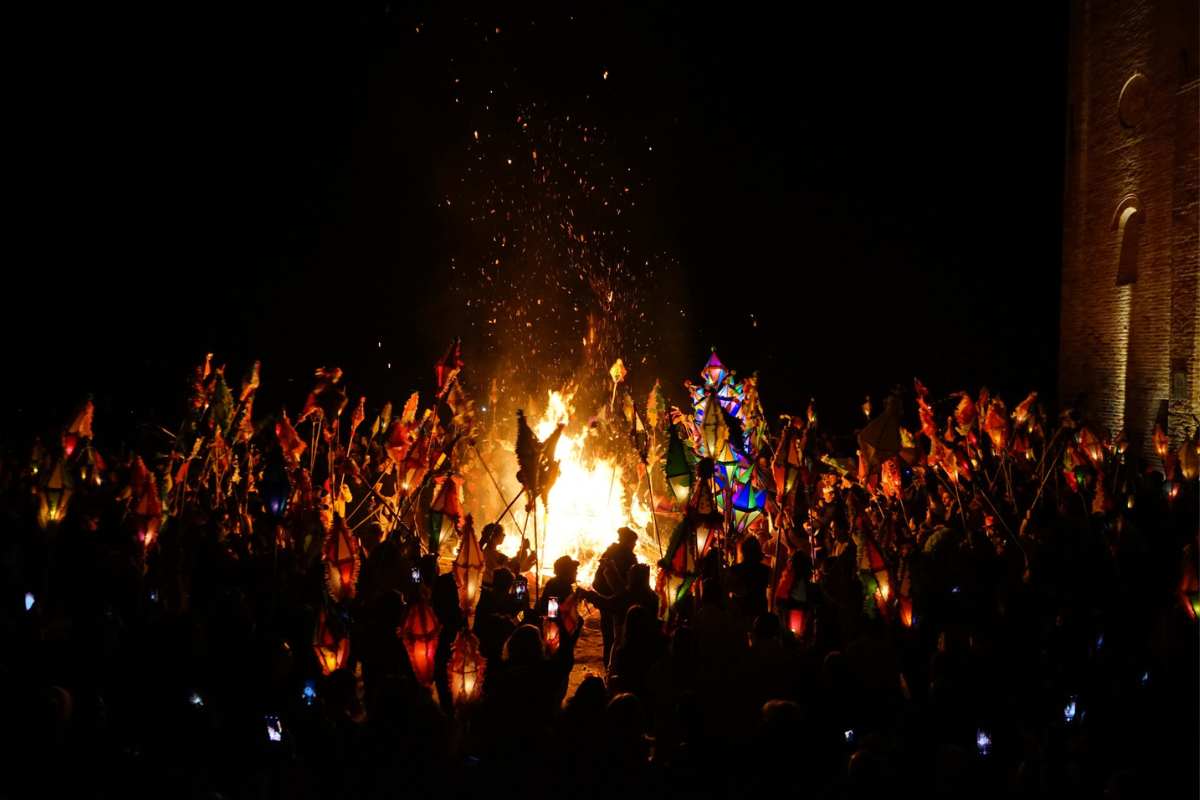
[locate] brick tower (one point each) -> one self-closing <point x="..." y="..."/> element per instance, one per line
<point x="1130" y="327"/>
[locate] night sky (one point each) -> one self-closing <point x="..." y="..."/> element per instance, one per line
<point x="839" y="198"/>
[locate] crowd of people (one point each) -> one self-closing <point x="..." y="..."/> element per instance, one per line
<point x="939" y="636"/>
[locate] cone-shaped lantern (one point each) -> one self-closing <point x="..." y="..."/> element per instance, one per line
<point x="879" y="582"/>
<point x="1090" y="444"/>
<point x="342" y="562"/>
<point x="445" y="512"/>
<point x="1189" y="457"/>
<point x="714" y="371"/>
<point x="788" y="459"/>
<point x="54" y="496"/>
<point x="678" y="468"/>
<point x="330" y="644"/>
<point x="466" y="669"/>
<point x="714" y="433"/>
<point x="468" y="569"/>
<point x="145" y="507"/>
<point x="420" y="636"/>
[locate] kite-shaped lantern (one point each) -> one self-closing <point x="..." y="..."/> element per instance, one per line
<point x="468" y="569"/>
<point x="466" y="669"/>
<point x="342" y="561"/>
<point x="420" y="636"/>
<point x="445" y="512"/>
<point x="330" y="644"/>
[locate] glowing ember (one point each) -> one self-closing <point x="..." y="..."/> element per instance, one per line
<point x="586" y="504"/>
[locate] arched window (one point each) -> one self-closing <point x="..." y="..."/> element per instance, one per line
<point x="1127" y="222"/>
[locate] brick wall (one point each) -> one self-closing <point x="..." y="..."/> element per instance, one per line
<point x="1119" y="343"/>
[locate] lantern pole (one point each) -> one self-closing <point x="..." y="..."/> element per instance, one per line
<point x="775" y="562"/>
<point x="537" y="561"/>
<point x="496" y="484"/>
<point x="653" y="515"/>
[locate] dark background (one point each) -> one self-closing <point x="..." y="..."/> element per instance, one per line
<point x="879" y="185"/>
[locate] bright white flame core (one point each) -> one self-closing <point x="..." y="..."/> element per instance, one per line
<point x="586" y="504"/>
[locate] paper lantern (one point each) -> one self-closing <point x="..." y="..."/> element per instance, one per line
<point x="878" y="582"/>
<point x="331" y="645"/>
<point x="468" y="569"/>
<point x="797" y="622"/>
<point x="54" y="497"/>
<point x="1091" y="446"/>
<point x="420" y="636"/>
<point x="748" y="506"/>
<point x="551" y="634"/>
<point x="1161" y="443"/>
<point x="445" y="512"/>
<point x="678" y="468"/>
<point x="342" y="562"/>
<point x="905" y="606"/>
<point x="1189" y="458"/>
<point x="714" y="371"/>
<point x="466" y="669"/>
<point x="714" y="433"/>
<point x="788" y="460"/>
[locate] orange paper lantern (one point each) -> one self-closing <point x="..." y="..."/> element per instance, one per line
<point x="466" y="669"/>
<point x="468" y="569"/>
<point x="342" y="562"/>
<point x="331" y="646"/>
<point x="797" y="622"/>
<point x="420" y="635"/>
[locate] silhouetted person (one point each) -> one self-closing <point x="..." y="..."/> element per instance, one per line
<point x="612" y="576"/>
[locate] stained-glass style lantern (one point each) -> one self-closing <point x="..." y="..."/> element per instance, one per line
<point x="342" y="561"/>
<point x="678" y="468"/>
<point x="748" y="505"/>
<point x="420" y="636"/>
<point x="889" y="478"/>
<point x="54" y="496"/>
<point x="330" y="644"/>
<point x="714" y="433"/>
<point x="466" y="669"/>
<point x="714" y="371"/>
<point x="468" y="570"/>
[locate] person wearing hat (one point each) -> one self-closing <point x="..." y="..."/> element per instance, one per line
<point x="561" y="585"/>
<point x="612" y="576"/>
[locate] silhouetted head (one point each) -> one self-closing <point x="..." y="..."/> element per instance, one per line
<point x="566" y="568"/>
<point x="524" y="647"/>
<point x="751" y="550"/>
<point x="502" y="580"/>
<point x="627" y="537"/>
<point x="492" y="535"/>
<point x="639" y="577"/>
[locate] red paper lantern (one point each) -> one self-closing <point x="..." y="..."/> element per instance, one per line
<point x="342" y="562"/>
<point x="330" y="645"/>
<point x="466" y="669"/>
<point x="797" y="622"/>
<point x="420" y="635"/>
<point x="468" y="569"/>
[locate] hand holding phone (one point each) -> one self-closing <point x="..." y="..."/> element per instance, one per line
<point x="274" y="728"/>
<point x="552" y="608"/>
<point x="983" y="742"/>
